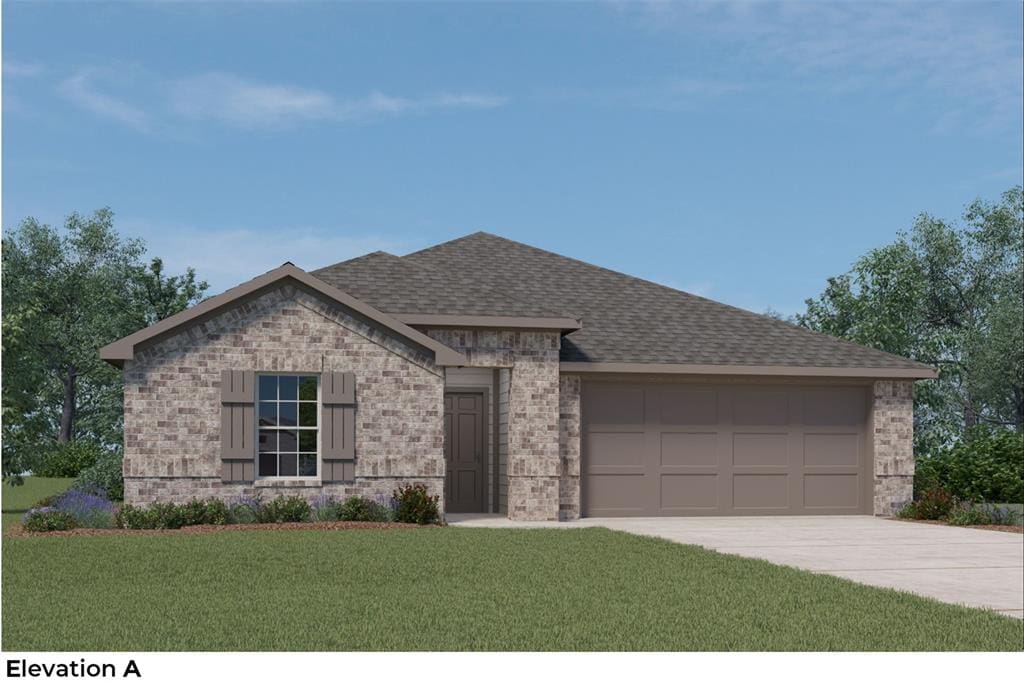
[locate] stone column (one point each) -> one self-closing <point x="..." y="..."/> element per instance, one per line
<point x="533" y="428"/>
<point x="892" y="435"/>
<point x="569" y="447"/>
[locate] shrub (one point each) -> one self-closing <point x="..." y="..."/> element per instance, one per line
<point x="325" y="508"/>
<point x="245" y="510"/>
<point x="167" y="515"/>
<point x="106" y="474"/>
<point x="153" y="516"/>
<point x="935" y="504"/>
<point x="210" y="511"/>
<point x="987" y="466"/>
<point x="48" y="519"/>
<point x="89" y="508"/>
<point x="360" y="509"/>
<point x="133" y="517"/>
<point x="414" y="505"/>
<point x="908" y="511"/>
<point x="291" y="508"/>
<point x="968" y="514"/>
<point x="69" y="459"/>
<point x="974" y="514"/>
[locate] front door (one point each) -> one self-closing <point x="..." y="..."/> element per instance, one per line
<point x="464" y="452"/>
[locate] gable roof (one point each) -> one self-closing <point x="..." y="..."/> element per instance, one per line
<point x="628" y="324"/>
<point x="125" y="348"/>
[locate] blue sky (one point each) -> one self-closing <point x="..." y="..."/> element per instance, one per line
<point x="742" y="151"/>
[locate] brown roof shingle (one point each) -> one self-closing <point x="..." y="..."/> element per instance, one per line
<point x="396" y="285"/>
<point x="625" y="319"/>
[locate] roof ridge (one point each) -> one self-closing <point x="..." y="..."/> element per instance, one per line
<point x="456" y="240"/>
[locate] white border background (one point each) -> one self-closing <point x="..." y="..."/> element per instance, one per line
<point x="539" y="669"/>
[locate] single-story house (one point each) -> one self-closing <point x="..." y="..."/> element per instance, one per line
<point x="512" y="380"/>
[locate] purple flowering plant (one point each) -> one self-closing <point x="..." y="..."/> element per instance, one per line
<point x="245" y="509"/>
<point x="90" y="508"/>
<point x="324" y="508"/>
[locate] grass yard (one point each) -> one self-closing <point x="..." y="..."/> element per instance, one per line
<point x="16" y="500"/>
<point x="451" y="589"/>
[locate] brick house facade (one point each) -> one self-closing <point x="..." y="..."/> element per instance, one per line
<point x="547" y="447"/>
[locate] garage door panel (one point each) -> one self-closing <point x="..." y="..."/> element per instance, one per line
<point x="760" y="491"/>
<point x="831" y="491"/>
<point x="760" y="407"/>
<point x="724" y="449"/>
<point x="689" y="491"/>
<point x="620" y="406"/>
<point x="831" y="450"/>
<point x="760" y="449"/>
<point x="689" y="449"/>
<point x="622" y="449"/>
<point x="686" y="406"/>
<point x="617" y="494"/>
<point x="833" y="407"/>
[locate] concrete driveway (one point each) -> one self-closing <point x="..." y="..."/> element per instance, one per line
<point x="956" y="565"/>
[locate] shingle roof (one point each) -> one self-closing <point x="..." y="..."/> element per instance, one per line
<point x="394" y="284"/>
<point x="625" y="319"/>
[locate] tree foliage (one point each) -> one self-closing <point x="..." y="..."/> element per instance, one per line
<point x="65" y="295"/>
<point x="950" y="295"/>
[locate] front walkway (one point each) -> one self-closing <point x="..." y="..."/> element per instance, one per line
<point x="956" y="565"/>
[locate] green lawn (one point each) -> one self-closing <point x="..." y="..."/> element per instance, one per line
<point x="16" y="500"/>
<point x="451" y="589"/>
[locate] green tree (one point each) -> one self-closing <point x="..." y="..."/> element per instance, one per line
<point x="65" y="295"/>
<point x="950" y="295"/>
<point x="160" y="296"/>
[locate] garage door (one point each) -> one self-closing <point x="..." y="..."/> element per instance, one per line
<point x="663" y="449"/>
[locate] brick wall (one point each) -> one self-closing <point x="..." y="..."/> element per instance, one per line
<point x="533" y="414"/>
<point x="892" y="431"/>
<point x="172" y="399"/>
<point x="569" y="447"/>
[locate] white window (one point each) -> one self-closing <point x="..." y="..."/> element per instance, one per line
<point x="289" y="425"/>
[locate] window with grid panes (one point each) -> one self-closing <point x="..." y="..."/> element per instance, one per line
<point x="289" y="425"/>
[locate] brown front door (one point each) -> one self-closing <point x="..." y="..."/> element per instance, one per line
<point x="464" y="452"/>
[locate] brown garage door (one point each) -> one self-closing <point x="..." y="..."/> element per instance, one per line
<point x="669" y="449"/>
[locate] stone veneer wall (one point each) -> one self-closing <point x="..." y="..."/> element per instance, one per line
<point x="892" y="431"/>
<point x="172" y="400"/>
<point x="569" y="447"/>
<point x="533" y="415"/>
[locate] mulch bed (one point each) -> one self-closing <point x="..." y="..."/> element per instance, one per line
<point x="17" y="531"/>
<point x="1008" y="528"/>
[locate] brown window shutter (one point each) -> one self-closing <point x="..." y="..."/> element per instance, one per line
<point x="237" y="387"/>
<point x="338" y="388"/>
<point x="337" y="439"/>
<point x="338" y="425"/>
<point x="238" y="425"/>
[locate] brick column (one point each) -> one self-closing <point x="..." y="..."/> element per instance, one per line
<point x="533" y="455"/>
<point x="569" y="447"/>
<point x="892" y="435"/>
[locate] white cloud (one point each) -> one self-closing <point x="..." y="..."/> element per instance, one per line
<point x="250" y="104"/>
<point x="14" y="69"/>
<point x="234" y="100"/>
<point x="968" y="54"/>
<point x="82" y="90"/>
